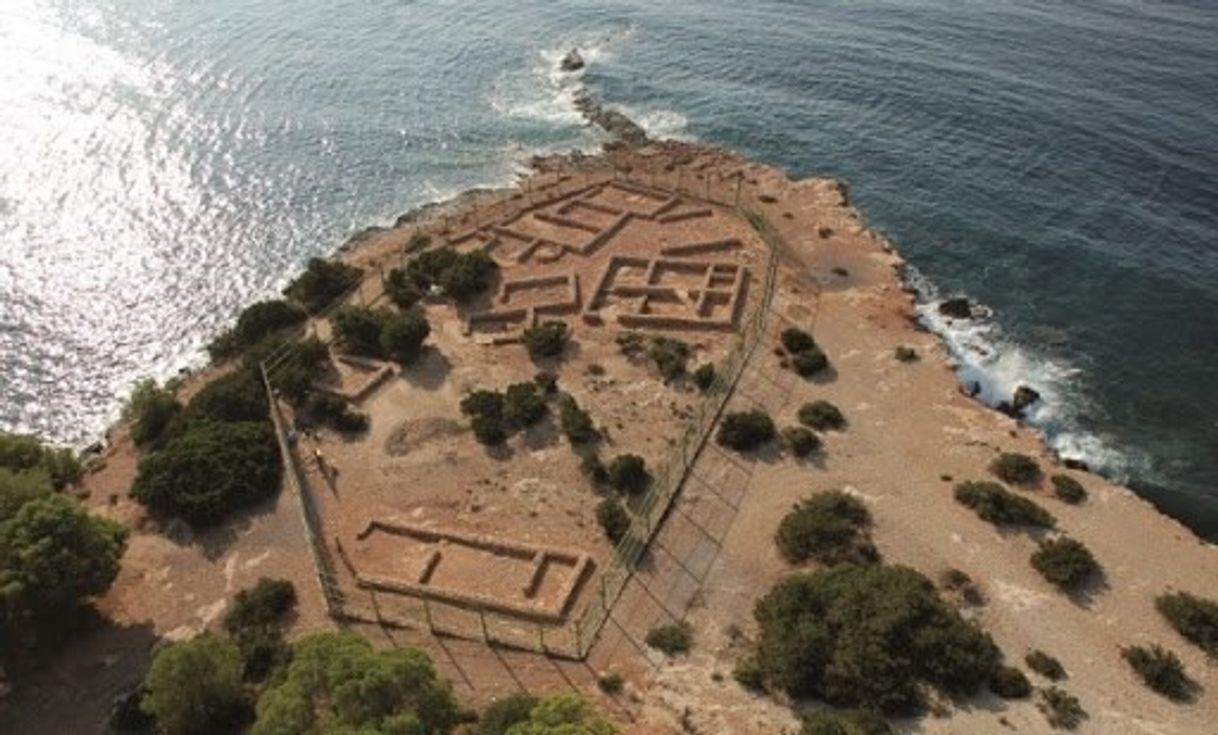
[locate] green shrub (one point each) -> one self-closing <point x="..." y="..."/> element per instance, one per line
<point x="593" y="468"/>
<point x="21" y="452"/>
<point x="253" y="622"/>
<point x="1061" y="709"/>
<point x="546" y="382"/>
<point x="1064" y="562"/>
<point x="402" y="291"/>
<point x="470" y="274"/>
<point x="611" y="684"/>
<point x="1068" y="489"/>
<point x="322" y="282"/>
<point x="484" y="403"/>
<point x="628" y="473"/>
<point x="848" y="722"/>
<point x="821" y="415"/>
<point x="546" y="339"/>
<point x="337" y="682"/>
<point x="293" y="368"/>
<point x="630" y="343"/>
<point x="1009" y="682"/>
<point x="1015" y="468"/>
<point x="427" y="268"/>
<point x="238" y="397"/>
<point x="562" y="714"/>
<point x="800" y="441"/>
<point x="906" y="354"/>
<point x="994" y="503"/>
<point x="256" y="322"/>
<point x="745" y="430"/>
<point x="704" y="377"/>
<point x="501" y="715"/>
<point x="149" y="410"/>
<point x="670" y="356"/>
<point x="402" y="336"/>
<point x="1161" y="670"/>
<point x="830" y="527"/>
<point x="194" y="688"/>
<point x="1193" y="617"/>
<point x="489" y="431"/>
<point x="329" y="409"/>
<point x="522" y="406"/>
<point x="209" y="471"/>
<point x="868" y="636"/>
<point x="671" y="638"/>
<point x="19" y="488"/>
<point x="748" y="674"/>
<point x="1045" y="665"/>
<point x="809" y="362"/>
<point x="357" y="329"/>
<point x="614" y="519"/>
<point x="575" y="422"/>
<point x="797" y="340"/>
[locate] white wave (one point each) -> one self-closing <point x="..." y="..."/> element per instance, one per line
<point x="660" y="124"/>
<point x="987" y="360"/>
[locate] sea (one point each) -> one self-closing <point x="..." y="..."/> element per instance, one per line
<point x="165" y="162"/>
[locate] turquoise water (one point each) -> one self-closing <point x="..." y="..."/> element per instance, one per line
<point x="165" y="162"/>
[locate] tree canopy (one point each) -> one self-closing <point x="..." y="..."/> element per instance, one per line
<point x="22" y="452"/>
<point x="563" y="714"/>
<point x="194" y="687"/>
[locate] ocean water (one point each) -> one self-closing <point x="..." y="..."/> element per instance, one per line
<point x="164" y="162"/>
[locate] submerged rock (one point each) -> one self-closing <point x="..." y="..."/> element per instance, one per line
<point x="572" y="61"/>
<point x="958" y="308"/>
<point x="1024" y="397"/>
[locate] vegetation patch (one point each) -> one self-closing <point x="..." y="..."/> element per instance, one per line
<point x="575" y="422"/>
<point x="1045" y="665"/>
<point x="546" y="339"/>
<point x="868" y="636"/>
<point x="1061" y="708"/>
<point x="613" y="518"/>
<point x="461" y="276"/>
<point x="796" y="340"/>
<point x="149" y="410"/>
<point x="845" y="722"/>
<point x="821" y="415"/>
<point x="800" y="440"/>
<point x="1015" y="468"/>
<point x="828" y="527"/>
<point x="1009" y="682"/>
<point x="19" y="452"/>
<point x="1068" y="489"/>
<point x="1193" y="617"/>
<point x="322" y="282"/>
<point x="1065" y="562"/>
<point x="503" y="714"/>
<point x="906" y="354"/>
<point x="381" y="333"/>
<point x="672" y="638"/>
<point x="1161" y="670"/>
<point x="807" y="358"/>
<point x="195" y="688"/>
<point x="994" y="503"/>
<point x="745" y="430"/>
<point x="628" y="473"/>
<point x="704" y="377"/>
<point x="670" y="356"/>
<point x="253" y="622"/>
<point x="256" y="322"/>
<point x="523" y="405"/>
<point x="332" y="411"/>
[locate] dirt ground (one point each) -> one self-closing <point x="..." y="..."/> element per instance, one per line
<point x="909" y="427"/>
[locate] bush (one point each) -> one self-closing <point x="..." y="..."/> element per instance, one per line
<point x="522" y="406"/>
<point x="484" y="403"/>
<point x="427" y="269"/>
<point x="1068" y="489"/>
<point x="849" y="722"/>
<point x="672" y="638"/>
<point x="670" y="356"/>
<point x="611" y="684"/>
<point x="238" y="397"/>
<point x="704" y="377"/>
<point x="745" y="430"/>
<point x="336" y="682"/>
<point x="149" y="410"/>
<point x="868" y="636"/>
<point x="821" y="415"/>
<point x="1061" y="709"/>
<point x="1193" y="617"/>
<point x="800" y="441"/>
<point x="489" y="431"/>
<point x="562" y="714"/>
<point x="194" y="688"/>
<point x="501" y="715"/>
<point x="1017" y="469"/>
<point x="797" y="340"/>
<point x="256" y="322"/>
<point x="19" y="488"/>
<point x="402" y="336"/>
<point x="53" y="556"/>
<point x="402" y="291"/>
<point x="1009" y="682"/>
<point x="1045" y="665"/>
<point x="628" y="473"/>
<point x="576" y="423"/>
<point x="614" y="519"/>
<point x="630" y="343"/>
<point x="19" y="452"/>
<point x="906" y="354"/>
<point x="1064" y="562"/>
<point x="322" y="282"/>
<point x="329" y="409"/>
<point x="748" y="674"/>
<point x="253" y="622"/>
<point x="546" y="339"/>
<point x="1161" y="670"/>
<point x="830" y="527"/>
<point x="470" y="274"/>
<point x="546" y="382"/>
<point x="809" y="362"/>
<point x="357" y="329"/>
<point x="994" y="503"/>
<point x="295" y="366"/>
<point x="593" y="468"/>
<point x="209" y="471"/>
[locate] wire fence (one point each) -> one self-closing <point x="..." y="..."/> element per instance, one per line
<point x="576" y="638"/>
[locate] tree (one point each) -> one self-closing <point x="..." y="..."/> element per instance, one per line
<point x="575" y="422"/>
<point x="358" y="329"/>
<point x="821" y="415"/>
<point x="546" y="339"/>
<point x="209" y="471"/>
<point x="830" y="527"/>
<point x="628" y="473"/>
<point x="18" y="488"/>
<point x="427" y="268"/>
<point x="1068" y="489"/>
<point x="671" y="638"/>
<point x="796" y="340"/>
<point x="256" y="322"/>
<point x="704" y="376"/>
<point x="745" y="430"/>
<point x="614" y="519"/>
<point x="504" y="713"/>
<point x="234" y="398"/>
<point x="868" y="636"/>
<point x="402" y="335"/>
<point x="670" y="356"/>
<point x="845" y="722"/>
<point x="149" y="410"/>
<point x="1064" y="562"/>
<point x="21" y="452"/>
<point x="810" y="362"/>
<point x="402" y="291"/>
<point x="322" y="282"/>
<point x="563" y="714"/>
<point x="194" y="687"/>
<point x="53" y="555"/>
<point x="253" y="622"/>
<point x="336" y="682"/>
<point x="470" y="274"/>
<point x="800" y="441"/>
<point x="1161" y="670"/>
<point x="522" y="406"/>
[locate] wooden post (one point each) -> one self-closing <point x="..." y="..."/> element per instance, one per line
<point x="739" y="179"/>
<point x="482" y="619"/>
